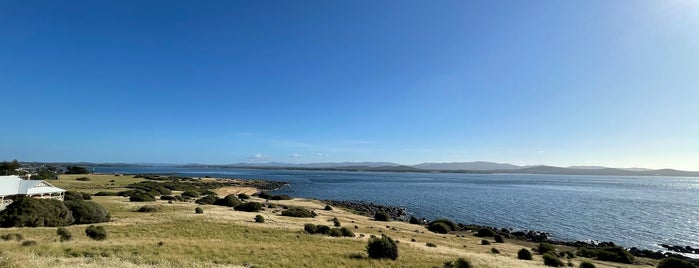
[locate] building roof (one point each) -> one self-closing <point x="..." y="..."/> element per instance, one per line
<point x="14" y="185"/>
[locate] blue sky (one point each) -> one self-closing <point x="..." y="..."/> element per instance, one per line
<point x="612" y="83"/>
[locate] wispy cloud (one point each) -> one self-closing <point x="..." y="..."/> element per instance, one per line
<point x="321" y="154"/>
<point x="296" y="156"/>
<point x="258" y="156"/>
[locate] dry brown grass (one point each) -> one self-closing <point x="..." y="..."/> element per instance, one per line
<point x="222" y="237"/>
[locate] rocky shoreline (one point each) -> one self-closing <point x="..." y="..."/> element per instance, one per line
<point x="398" y="213"/>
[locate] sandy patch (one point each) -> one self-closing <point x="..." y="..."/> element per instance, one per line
<point x="224" y="191"/>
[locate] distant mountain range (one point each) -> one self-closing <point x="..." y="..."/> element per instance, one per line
<point x="478" y="167"/>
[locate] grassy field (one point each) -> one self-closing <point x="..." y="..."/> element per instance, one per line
<point x="221" y="237"/>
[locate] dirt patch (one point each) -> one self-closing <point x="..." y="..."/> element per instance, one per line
<point x="224" y="191"/>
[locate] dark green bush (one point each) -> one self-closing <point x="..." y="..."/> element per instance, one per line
<point x="544" y="248"/>
<point x="485" y="232"/>
<point x="230" y="200"/>
<point x="380" y="248"/>
<point x="243" y="196"/>
<point x="73" y="195"/>
<point x="207" y="200"/>
<point x="430" y="244"/>
<point x="328" y="207"/>
<point x="310" y="228"/>
<point x="551" y="259"/>
<point x="336" y="222"/>
<point x="335" y="232"/>
<point x="96" y="232"/>
<point x="10" y="236"/>
<point x="569" y="254"/>
<point x="613" y="254"/>
<point x="167" y="197"/>
<point x="382" y="216"/>
<point x="499" y="239"/>
<point x="259" y="218"/>
<point x="674" y="263"/>
<point x="414" y="220"/>
<point x="249" y="207"/>
<point x="485" y="242"/>
<point x="28" y="243"/>
<point x="298" y="212"/>
<point x="459" y="263"/>
<point x="106" y="193"/>
<point x="32" y="212"/>
<point x="322" y="229"/>
<point x="587" y="264"/>
<point x="141" y="197"/>
<point x="85" y="212"/>
<point x="150" y="208"/>
<point x="198" y="210"/>
<point x="83" y="179"/>
<point x="281" y="197"/>
<point x="190" y="194"/>
<point x="439" y="227"/>
<point x="495" y="250"/>
<point x="524" y="254"/>
<point x="64" y="234"/>
<point x="269" y="196"/>
<point x="347" y="232"/>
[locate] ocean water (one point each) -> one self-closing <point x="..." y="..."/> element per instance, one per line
<point x="630" y="211"/>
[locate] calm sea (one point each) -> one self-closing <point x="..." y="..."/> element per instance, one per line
<point x="631" y="211"/>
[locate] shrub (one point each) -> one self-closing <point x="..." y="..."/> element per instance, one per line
<point x="569" y="254"/>
<point x="335" y="232"/>
<point x="141" y="197"/>
<point x="85" y="212"/>
<point x="524" y="254"/>
<point x="32" y="212"/>
<point x="414" y="220"/>
<point x="150" y="208"/>
<point x="64" y="234"/>
<point x="499" y="239"/>
<point x="72" y="195"/>
<point x="310" y="228"/>
<point x="281" y="197"/>
<point x="167" y="197"/>
<point x="96" y="232"/>
<point x="249" y="207"/>
<point x="439" y="227"/>
<point x="199" y="210"/>
<point x="613" y="254"/>
<point x="382" y="216"/>
<point x="106" y="193"/>
<point x="551" y="259"/>
<point x="28" y="243"/>
<point x="380" y="248"/>
<point x="347" y="232"/>
<point x="83" y="179"/>
<point x="587" y="264"/>
<point x="328" y="207"/>
<point x="230" y="200"/>
<point x="430" y="244"/>
<point x="259" y="219"/>
<point x="459" y="263"/>
<point x="190" y="194"/>
<point x="298" y="212"/>
<point x="544" y="248"/>
<point x="485" y="242"/>
<point x="485" y="232"/>
<point x="336" y="222"/>
<point x="207" y="200"/>
<point x="674" y="263"/>
<point x="243" y="196"/>
<point x="323" y="229"/>
<point x="10" y="236"/>
<point x="495" y="250"/>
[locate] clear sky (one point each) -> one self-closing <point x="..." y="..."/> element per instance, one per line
<point x="613" y="83"/>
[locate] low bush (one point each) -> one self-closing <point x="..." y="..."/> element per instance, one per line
<point x="249" y="207"/>
<point x="336" y="222"/>
<point x="569" y="254"/>
<point x="382" y="248"/>
<point x="524" y="254"/>
<point x="587" y="264"/>
<point x="207" y="200"/>
<point x="269" y="196"/>
<point x="230" y="200"/>
<point x="167" y="197"/>
<point x="495" y="250"/>
<point x="613" y="254"/>
<point x="190" y="194"/>
<point x="322" y="229"/>
<point x="458" y="263"/>
<point x="310" y="228"/>
<point x="551" y="259"/>
<point x="85" y="212"/>
<point x="499" y="239"/>
<point x="335" y="232"/>
<point x="259" y="218"/>
<point x="199" y="210"/>
<point x="73" y="195"/>
<point x="544" y="248"/>
<point x="141" y="197"/>
<point x="382" y="216"/>
<point x="430" y="244"/>
<point x="83" y="179"/>
<point x="103" y="193"/>
<point x="96" y="232"/>
<point x="328" y="207"/>
<point x="28" y="243"/>
<point x="674" y="263"/>
<point x="485" y="242"/>
<point x="64" y="234"/>
<point x="347" y="232"/>
<point x="298" y="212"/>
<point x="33" y="212"/>
<point x="414" y="220"/>
<point x="442" y="226"/>
<point x="150" y="208"/>
<point x="243" y="196"/>
<point x="485" y="232"/>
<point x="11" y="236"/>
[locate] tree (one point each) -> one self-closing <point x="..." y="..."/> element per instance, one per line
<point x="76" y="170"/>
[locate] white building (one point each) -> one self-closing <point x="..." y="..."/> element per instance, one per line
<point x="15" y="185"/>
